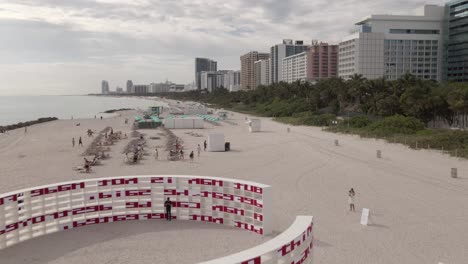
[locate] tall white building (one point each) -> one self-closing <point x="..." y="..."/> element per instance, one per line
<point x="295" y="68"/>
<point x="231" y="80"/>
<point x="262" y="72"/>
<point x="390" y="46"/>
<point x="226" y="79"/>
<point x="281" y="51"/>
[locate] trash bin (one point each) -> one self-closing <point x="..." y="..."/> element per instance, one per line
<point x="227" y="146"/>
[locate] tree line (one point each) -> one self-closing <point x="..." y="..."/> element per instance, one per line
<point x="408" y="96"/>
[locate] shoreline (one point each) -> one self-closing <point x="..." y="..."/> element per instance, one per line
<point x="4" y="129"/>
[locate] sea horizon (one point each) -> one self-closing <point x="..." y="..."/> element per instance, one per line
<point x="22" y="108"/>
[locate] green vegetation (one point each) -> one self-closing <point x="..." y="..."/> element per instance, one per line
<point x="399" y="110"/>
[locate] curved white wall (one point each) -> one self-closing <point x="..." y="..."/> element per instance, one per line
<point x="293" y="246"/>
<point x="33" y="212"/>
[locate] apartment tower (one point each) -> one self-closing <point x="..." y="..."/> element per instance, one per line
<point x="247" y="68"/>
<point x="203" y="65"/>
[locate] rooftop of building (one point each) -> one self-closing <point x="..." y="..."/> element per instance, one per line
<point x="431" y="13"/>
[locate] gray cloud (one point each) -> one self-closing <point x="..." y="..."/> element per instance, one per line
<point x="150" y="40"/>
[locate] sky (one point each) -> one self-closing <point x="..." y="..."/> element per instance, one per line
<point x="70" y="46"/>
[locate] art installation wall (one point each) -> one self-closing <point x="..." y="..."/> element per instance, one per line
<point x="33" y="212"/>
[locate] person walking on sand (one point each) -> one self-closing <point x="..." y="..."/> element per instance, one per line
<point x="25" y="129"/>
<point x="198" y="150"/>
<point x="168" y="205"/>
<point x="204" y="146"/>
<point x="191" y="156"/>
<point x="80" y="142"/>
<point x="351" y="195"/>
<point x="73" y="142"/>
<point x="156" y="153"/>
<point x="181" y="154"/>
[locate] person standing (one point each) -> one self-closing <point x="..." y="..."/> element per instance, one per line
<point x="204" y="146"/>
<point x="351" y="195"/>
<point x="73" y="142"/>
<point x="156" y="153"/>
<point x="191" y="156"/>
<point x="80" y="142"/>
<point x="168" y="206"/>
<point x="181" y="154"/>
<point x="198" y="150"/>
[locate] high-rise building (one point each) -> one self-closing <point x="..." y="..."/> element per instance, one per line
<point x="203" y="65"/>
<point x="247" y="68"/>
<point x="322" y="61"/>
<point x="141" y="89"/>
<point x="104" y="87"/>
<point x="262" y="72"/>
<point x="390" y="46"/>
<point x="319" y="62"/>
<point x="160" y="87"/>
<point x="231" y="80"/>
<point x="210" y="80"/>
<point x="294" y="68"/>
<point x="129" y="86"/>
<point x="227" y="79"/>
<point x="456" y="41"/>
<point x="281" y="51"/>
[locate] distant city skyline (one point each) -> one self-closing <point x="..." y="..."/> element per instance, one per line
<point x="69" y="47"/>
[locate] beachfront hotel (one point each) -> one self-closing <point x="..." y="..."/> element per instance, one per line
<point x="390" y="46"/>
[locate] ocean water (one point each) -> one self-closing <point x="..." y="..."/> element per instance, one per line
<point x="14" y="109"/>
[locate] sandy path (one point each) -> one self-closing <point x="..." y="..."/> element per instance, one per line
<point x="419" y="213"/>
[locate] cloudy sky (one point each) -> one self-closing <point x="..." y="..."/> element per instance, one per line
<point x="69" y="46"/>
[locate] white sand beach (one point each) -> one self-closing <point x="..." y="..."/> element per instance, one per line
<point x="419" y="213"/>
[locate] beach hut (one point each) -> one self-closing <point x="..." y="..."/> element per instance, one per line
<point x="150" y="122"/>
<point x="255" y="125"/>
<point x="183" y="122"/>
<point x="216" y="142"/>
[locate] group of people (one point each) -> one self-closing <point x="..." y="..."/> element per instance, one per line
<point x="80" y="142"/>
<point x="138" y="151"/>
<point x="179" y="153"/>
<point x="90" y="133"/>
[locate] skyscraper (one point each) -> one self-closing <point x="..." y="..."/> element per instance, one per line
<point x="129" y="86"/>
<point x="456" y="41"/>
<point x="104" y="87"/>
<point x="281" y="51"/>
<point x="203" y="65"/>
<point x="390" y="46"/>
<point x="247" y="68"/>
